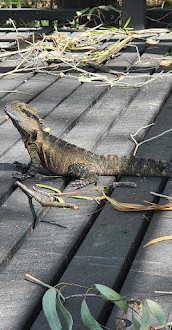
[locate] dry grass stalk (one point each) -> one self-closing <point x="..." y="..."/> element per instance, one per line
<point x="76" y="52"/>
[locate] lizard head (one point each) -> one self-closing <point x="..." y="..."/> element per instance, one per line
<point x="24" y="118"/>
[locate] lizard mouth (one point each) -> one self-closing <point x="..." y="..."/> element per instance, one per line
<point x="12" y="114"/>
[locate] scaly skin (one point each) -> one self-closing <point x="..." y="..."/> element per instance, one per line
<point x="62" y="158"/>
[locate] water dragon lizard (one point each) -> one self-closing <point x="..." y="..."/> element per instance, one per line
<point x="62" y="158"/>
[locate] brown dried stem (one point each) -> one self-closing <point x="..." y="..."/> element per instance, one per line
<point x="43" y="202"/>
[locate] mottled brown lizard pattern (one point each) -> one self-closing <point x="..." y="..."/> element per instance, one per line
<point x="62" y="158"/>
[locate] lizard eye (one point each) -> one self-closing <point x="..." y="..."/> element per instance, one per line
<point x="34" y="137"/>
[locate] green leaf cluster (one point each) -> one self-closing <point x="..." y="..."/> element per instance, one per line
<point x="55" y="311"/>
<point x="89" y="14"/>
<point x="149" y="307"/>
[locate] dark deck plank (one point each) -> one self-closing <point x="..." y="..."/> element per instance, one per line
<point x="151" y="268"/>
<point x="113" y="252"/>
<point x="144" y="108"/>
<point x="10" y="38"/>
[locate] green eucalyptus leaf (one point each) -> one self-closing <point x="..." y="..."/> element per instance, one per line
<point x="107" y="7"/>
<point x="104" y="7"/>
<point x="48" y="187"/>
<point x="111" y="295"/>
<point x="83" y="10"/>
<point x="136" y="323"/>
<point x="127" y="22"/>
<point x="88" y="319"/>
<point x="78" y="13"/>
<point x="106" y="189"/>
<point x="91" y="11"/>
<point x="49" y="308"/>
<point x="82" y="197"/>
<point x="65" y="314"/>
<point x="98" y="198"/>
<point x="145" y="322"/>
<point x="157" y="311"/>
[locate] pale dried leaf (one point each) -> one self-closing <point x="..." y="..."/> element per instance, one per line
<point x="151" y="41"/>
<point x="157" y="240"/>
<point x="166" y="62"/>
<point x="138" y="207"/>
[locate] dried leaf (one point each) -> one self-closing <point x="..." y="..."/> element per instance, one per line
<point x="138" y="207"/>
<point x="157" y="240"/>
<point x="151" y="41"/>
<point x="165" y="63"/>
<point x="62" y="74"/>
<point x="128" y="206"/>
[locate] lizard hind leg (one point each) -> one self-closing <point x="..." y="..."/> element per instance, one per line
<point x="82" y="175"/>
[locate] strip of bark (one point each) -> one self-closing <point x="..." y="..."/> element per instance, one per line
<point x="114" y="50"/>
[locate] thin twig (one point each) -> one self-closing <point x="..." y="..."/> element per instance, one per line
<point x="123" y="184"/>
<point x="15" y="28"/>
<point x="160" y="195"/>
<point x="16" y="91"/>
<point x="78" y="295"/>
<point x="82" y="295"/>
<point x="15" y="52"/>
<point x="41" y="201"/>
<point x="114" y="50"/>
<point x="138" y="144"/>
<point x="85" y="39"/>
<point x="138" y="54"/>
<point x="37" y="281"/>
<point x="164" y="292"/>
<point x="135" y="134"/>
<point x="169" y="324"/>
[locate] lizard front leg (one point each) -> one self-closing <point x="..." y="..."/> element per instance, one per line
<point x="83" y="175"/>
<point x="33" y="166"/>
<point x="23" y="168"/>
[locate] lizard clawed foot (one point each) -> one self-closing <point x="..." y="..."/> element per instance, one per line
<point x="82" y="182"/>
<point x="21" y="167"/>
<point x="20" y="177"/>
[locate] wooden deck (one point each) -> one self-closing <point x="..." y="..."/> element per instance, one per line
<point x="84" y="246"/>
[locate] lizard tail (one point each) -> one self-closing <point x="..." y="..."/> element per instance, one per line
<point x="132" y="165"/>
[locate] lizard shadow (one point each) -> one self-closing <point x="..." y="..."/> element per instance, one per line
<point x="7" y="167"/>
<point x="42" y="174"/>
